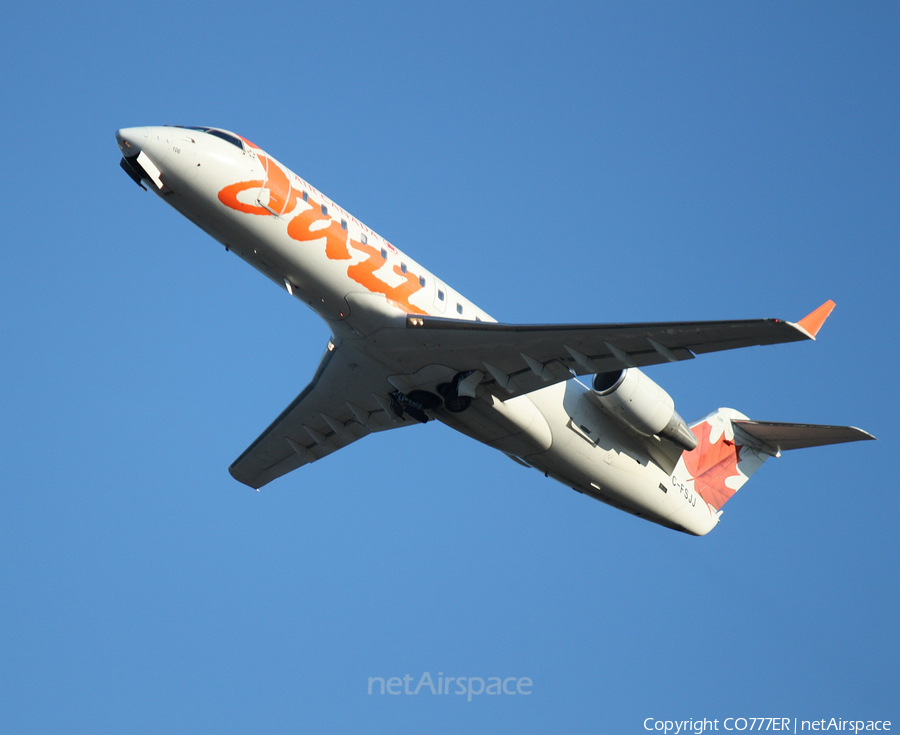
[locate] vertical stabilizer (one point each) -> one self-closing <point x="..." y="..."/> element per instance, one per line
<point x="721" y="463"/>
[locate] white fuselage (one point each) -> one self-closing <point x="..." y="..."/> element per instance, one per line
<point x="361" y="284"/>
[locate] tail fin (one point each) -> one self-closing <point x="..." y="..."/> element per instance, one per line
<point x="730" y="448"/>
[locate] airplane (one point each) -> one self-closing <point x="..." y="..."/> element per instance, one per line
<point x="406" y="348"/>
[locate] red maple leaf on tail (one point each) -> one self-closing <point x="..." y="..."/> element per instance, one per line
<point x="711" y="464"/>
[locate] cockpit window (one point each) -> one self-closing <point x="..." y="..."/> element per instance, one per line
<point x="233" y="139"/>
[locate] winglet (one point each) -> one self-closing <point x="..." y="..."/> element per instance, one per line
<point x="813" y="321"/>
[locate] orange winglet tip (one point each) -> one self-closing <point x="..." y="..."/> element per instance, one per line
<point x="813" y="321"/>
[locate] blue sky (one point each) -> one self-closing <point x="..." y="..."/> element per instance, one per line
<point x="586" y="162"/>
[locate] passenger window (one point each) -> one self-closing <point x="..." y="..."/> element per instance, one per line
<point x="459" y="308"/>
<point x="365" y="240"/>
<point x="383" y="254"/>
<point x="343" y="224"/>
<point x="403" y="268"/>
<point x="305" y="197"/>
<point x="324" y="210"/>
<point x="422" y="281"/>
<point x="440" y="294"/>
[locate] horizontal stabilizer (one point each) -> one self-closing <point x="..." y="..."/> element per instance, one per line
<point x="731" y="447"/>
<point x="783" y="437"/>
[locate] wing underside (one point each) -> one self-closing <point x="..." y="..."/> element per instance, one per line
<point x="517" y="359"/>
<point x="346" y="400"/>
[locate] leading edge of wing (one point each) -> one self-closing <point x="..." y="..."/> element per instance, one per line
<point x="806" y="328"/>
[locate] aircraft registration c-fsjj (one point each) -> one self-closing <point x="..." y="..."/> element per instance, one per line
<point x="406" y="348"/>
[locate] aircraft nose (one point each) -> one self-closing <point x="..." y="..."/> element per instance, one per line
<point x="143" y="152"/>
<point x="132" y="140"/>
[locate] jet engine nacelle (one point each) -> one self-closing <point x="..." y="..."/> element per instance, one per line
<point x="635" y="400"/>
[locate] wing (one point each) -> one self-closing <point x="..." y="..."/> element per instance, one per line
<point x="346" y="400"/>
<point x="515" y="359"/>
